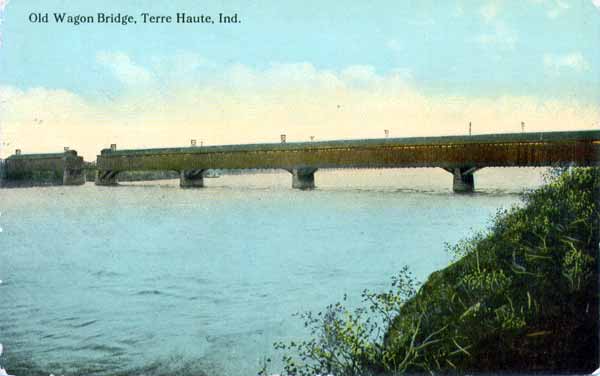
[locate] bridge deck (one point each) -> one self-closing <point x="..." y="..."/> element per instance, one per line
<point x="460" y="155"/>
<point x="570" y="136"/>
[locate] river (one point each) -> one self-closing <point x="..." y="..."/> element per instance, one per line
<point x="151" y="279"/>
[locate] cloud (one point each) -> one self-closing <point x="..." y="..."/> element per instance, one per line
<point x="558" y="9"/>
<point x="554" y="8"/>
<point x="596" y="3"/>
<point x="243" y="104"/>
<point x="574" y="61"/>
<point x="360" y="75"/>
<point x="501" y="38"/>
<point x="459" y="10"/>
<point x="3" y="4"/>
<point x="489" y="11"/>
<point x="124" y="69"/>
<point x="395" y="45"/>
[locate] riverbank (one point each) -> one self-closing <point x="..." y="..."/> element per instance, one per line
<point x="521" y="297"/>
<point x="524" y="296"/>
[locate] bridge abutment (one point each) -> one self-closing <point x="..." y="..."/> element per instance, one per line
<point x="303" y="178"/>
<point x="107" y="178"/>
<point x="191" y="178"/>
<point x="463" y="179"/>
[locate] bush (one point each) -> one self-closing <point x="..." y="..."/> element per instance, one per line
<point x="521" y="297"/>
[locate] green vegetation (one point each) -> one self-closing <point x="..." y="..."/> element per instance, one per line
<point x="521" y="297"/>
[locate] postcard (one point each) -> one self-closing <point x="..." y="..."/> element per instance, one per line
<point x="345" y="188"/>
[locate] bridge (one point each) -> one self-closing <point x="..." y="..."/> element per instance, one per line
<point x="461" y="156"/>
<point x="64" y="168"/>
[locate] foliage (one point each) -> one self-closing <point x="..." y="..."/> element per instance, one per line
<point x="520" y="297"/>
<point x="348" y="342"/>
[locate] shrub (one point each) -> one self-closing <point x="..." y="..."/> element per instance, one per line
<point x="521" y="297"/>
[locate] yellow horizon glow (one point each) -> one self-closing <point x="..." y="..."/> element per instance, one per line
<point x="252" y="107"/>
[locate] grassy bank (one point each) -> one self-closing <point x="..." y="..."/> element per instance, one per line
<point x="522" y="296"/>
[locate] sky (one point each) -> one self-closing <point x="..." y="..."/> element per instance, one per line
<point x="328" y="69"/>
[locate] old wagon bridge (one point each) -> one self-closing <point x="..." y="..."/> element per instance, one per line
<point x="461" y="156"/>
<point x="66" y="168"/>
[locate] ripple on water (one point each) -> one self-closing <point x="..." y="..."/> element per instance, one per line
<point x="203" y="282"/>
<point x="84" y="324"/>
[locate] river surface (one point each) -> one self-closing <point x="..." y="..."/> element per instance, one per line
<point x="151" y="279"/>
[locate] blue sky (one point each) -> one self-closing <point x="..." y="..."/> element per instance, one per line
<point x="472" y="47"/>
<point x="545" y="50"/>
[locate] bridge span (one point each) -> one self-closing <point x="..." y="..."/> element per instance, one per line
<point x="64" y="168"/>
<point x="461" y="156"/>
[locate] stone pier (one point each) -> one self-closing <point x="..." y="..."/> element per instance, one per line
<point x="107" y="178"/>
<point x="191" y="178"/>
<point x="303" y="178"/>
<point x="463" y="179"/>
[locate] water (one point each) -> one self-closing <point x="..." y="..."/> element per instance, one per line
<point x="153" y="279"/>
